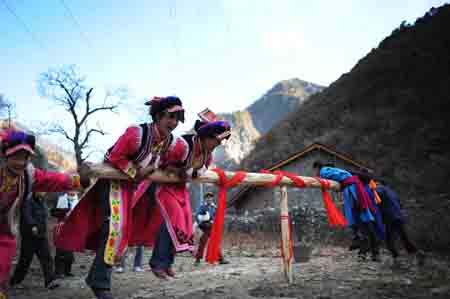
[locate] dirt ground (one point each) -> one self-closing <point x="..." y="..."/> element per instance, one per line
<point x="332" y="272"/>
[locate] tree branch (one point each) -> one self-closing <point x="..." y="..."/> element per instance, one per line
<point x="88" y="133"/>
<point x="60" y="130"/>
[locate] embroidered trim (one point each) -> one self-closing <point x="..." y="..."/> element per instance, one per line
<point x="114" y="238"/>
<point x="178" y="244"/>
<point x="7" y="183"/>
<point x="130" y="170"/>
<point x="75" y="181"/>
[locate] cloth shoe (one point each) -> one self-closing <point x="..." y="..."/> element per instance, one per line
<point x="160" y="273"/>
<point x="118" y="270"/>
<point x="223" y="261"/>
<point x="170" y="272"/>
<point x="53" y="284"/>
<point x="102" y="293"/>
<point x="420" y="257"/>
<point x="138" y="269"/>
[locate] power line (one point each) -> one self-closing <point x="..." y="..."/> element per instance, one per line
<point x="24" y="25"/>
<point x="74" y="20"/>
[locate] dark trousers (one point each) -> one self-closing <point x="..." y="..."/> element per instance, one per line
<point x="369" y="240"/>
<point x="63" y="262"/>
<point x="394" y="229"/>
<point x="163" y="255"/>
<point x="99" y="276"/>
<point x="30" y="246"/>
<point x="206" y="233"/>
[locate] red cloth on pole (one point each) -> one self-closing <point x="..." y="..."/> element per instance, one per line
<point x="213" y="253"/>
<point x="335" y="217"/>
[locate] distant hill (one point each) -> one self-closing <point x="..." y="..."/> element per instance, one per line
<point x="49" y="154"/>
<point x="250" y="123"/>
<point x="392" y="110"/>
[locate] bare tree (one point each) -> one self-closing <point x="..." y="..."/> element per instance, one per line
<point x="68" y="89"/>
<point x="6" y="108"/>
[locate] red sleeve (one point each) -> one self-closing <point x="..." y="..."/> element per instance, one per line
<point x="49" y="181"/>
<point x="127" y="145"/>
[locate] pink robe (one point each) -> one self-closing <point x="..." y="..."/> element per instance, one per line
<point x="10" y="201"/>
<point x="172" y="204"/>
<point x="81" y="229"/>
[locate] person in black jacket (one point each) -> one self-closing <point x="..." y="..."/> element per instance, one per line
<point x="394" y="221"/>
<point x="34" y="236"/>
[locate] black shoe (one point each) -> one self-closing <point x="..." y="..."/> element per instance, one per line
<point x="223" y="262"/>
<point x="69" y="274"/>
<point x="53" y="284"/>
<point x="102" y="293"/>
<point x="59" y="276"/>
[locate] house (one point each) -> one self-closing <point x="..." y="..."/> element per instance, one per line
<point x="253" y="198"/>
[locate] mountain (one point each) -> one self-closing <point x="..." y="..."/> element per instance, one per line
<point x="392" y="112"/>
<point x="250" y="123"/>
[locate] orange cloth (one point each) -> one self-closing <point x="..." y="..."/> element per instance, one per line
<point x="373" y="186"/>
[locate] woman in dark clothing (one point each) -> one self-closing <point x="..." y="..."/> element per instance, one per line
<point x="33" y="230"/>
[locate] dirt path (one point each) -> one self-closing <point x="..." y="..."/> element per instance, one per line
<point x="332" y="273"/>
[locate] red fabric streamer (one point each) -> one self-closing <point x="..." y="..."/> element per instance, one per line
<point x="279" y="176"/>
<point x="213" y="253"/>
<point x="291" y="250"/>
<point x="363" y="198"/>
<point x="298" y="182"/>
<point x="335" y="217"/>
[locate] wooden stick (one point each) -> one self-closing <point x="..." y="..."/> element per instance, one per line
<point x="287" y="251"/>
<point x="255" y="179"/>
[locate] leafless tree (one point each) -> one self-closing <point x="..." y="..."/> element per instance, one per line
<point x="6" y="108"/>
<point x="68" y="89"/>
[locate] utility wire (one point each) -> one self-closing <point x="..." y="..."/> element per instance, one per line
<point x="74" y="20"/>
<point x="23" y="24"/>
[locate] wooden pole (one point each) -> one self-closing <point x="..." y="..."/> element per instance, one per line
<point x="285" y="235"/>
<point x="255" y="179"/>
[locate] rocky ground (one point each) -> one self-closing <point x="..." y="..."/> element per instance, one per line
<point x="332" y="272"/>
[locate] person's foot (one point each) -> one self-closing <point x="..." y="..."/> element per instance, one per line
<point x="59" y="276"/>
<point x="170" y="272"/>
<point x="396" y="263"/>
<point x="102" y="293"/>
<point x="361" y="257"/>
<point x="223" y="262"/>
<point x="376" y="258"/>
<point x="197" y="262"/>
<point x="160" y="273"/>
<point x="53" y="284"/>
<point x="118" y="270"/>
<point x="354" y="245"/>
<point x="69" y="274"/>
<point x="138" y="269"/>
<point x="420" y="257"/>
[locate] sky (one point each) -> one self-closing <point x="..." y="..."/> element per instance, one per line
<point x="221" y="54"/>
